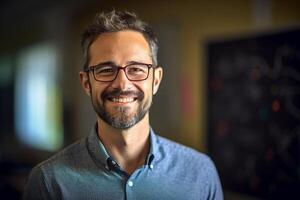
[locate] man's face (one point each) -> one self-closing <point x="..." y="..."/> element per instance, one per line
<point x="121" y="103"/>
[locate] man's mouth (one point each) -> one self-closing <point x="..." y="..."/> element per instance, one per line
<point x="122" y="99"/>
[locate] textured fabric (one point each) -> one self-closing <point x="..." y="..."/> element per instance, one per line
<point x="86" y="171"/>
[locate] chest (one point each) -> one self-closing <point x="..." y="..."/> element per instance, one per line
<point x="142" y="184"/>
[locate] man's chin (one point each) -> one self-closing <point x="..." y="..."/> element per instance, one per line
<point x="122" y="126"/>
<point x="121" y="117"/>
<point x="122" y="122"/>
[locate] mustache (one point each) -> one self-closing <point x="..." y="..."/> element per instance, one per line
<point x="115" y="93"/>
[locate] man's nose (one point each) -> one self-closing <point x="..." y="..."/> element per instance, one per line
<point x="121" y="81"/>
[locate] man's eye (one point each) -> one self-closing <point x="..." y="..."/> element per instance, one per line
<point x="104" y="70"/>
<point x="137" y="70"/>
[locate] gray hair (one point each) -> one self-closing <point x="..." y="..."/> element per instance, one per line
<point x="117" y="21"/>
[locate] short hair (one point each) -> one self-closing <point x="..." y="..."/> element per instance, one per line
<point x="115" y="21"/>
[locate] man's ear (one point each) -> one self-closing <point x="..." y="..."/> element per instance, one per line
<point x="158" y="74"/>
<point x="84" y="80"/>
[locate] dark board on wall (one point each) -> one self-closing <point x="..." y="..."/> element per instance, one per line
<point x="254" y="113"/>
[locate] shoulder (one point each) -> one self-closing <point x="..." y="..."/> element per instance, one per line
<point x="189" y="166"/>
<point x="69" y="154"/>
<point x="40" y="180"/>
<point x="67" y="158"/>
<point x="186" y="160"/>
<point x="175" y="149"/>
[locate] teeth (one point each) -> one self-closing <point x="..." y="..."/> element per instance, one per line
<point x="122" y="100"/>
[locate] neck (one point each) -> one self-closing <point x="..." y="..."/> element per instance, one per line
<point x="128" y="147"/>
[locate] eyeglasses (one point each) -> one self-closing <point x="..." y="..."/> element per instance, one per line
<point x="107" y="72"/>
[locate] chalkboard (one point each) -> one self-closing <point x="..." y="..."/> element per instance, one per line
<point x="254" y="113"/>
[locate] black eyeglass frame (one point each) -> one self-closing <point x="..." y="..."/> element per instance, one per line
<point x="92" y="68"/>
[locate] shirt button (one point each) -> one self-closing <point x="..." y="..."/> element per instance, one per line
<point x="130" y="183"/>
<point x="151" y="166"/>
<point x="113" y="162"/>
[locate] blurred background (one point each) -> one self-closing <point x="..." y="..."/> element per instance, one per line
<point x="231" y="86"/>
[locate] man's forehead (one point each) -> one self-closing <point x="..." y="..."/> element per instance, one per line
<point x="121" y="37"/>
<point x="127" y="44"/>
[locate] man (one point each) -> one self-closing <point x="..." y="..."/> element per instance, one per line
<point x="122" y="157"/>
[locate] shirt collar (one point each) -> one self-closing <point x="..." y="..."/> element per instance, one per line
<point x="96" y="148"/>
<point x="153" y="152"/>
<point x="100" y="155"/>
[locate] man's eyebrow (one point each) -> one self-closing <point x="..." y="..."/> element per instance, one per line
<point x="133" y="62"/>
<point x="110" y="63"/>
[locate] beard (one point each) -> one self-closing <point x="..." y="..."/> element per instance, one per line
<point x="122" y="117"/>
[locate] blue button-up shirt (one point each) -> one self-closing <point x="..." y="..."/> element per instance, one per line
<point x="86" y="171"/>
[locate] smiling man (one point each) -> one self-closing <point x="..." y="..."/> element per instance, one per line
<point x="122" y="157"/>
